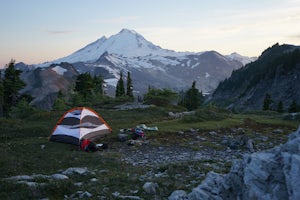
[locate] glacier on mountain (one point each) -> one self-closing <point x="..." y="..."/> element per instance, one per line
<point x="127" y="43"/>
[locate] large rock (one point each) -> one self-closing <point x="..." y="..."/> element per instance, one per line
<point x="178" y="195"/>
<point x="150" y="187"/>
<point x="272" y="174"/>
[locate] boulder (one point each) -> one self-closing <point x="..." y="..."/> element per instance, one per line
<point x="150" y="187"/>
<point x="178" y="195"/>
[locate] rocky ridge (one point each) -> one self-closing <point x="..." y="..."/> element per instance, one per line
<point x="271" y="174"/>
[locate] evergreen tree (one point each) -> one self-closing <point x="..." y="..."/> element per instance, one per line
<point x="60" y="102"/>
<point x="129" y="91"/>
<point x="120" y="90"/>
<point x="293" y="107"/>
<point x="1" y="95"/>
<point x="280" y="107"/>
<point x="84" y="85"/>
<point x="267" y="102"/>
<point x="22" y="109"/>
<point x="98" y="85"/>
<point x="192" y="98"/>
<point x="12" y="84"/>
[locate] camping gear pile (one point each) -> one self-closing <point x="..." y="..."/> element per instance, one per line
<point x="135" y="133"/>
<point x="89" y="146"/>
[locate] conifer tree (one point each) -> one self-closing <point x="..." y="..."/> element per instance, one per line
<point x="84" y="84"/>
<point x="60" y="102"/>
<point x="120" y="90"/>
<point x="12" y="84"/>
<point x="129" y="91"/>
<point x="267" y="102"/>
<point x="293" y="107"/>
<point x="191" y="99"/>
<point x="1" y="95"/>
<point x="280" y="107"/>
<point x="98" y="85"/>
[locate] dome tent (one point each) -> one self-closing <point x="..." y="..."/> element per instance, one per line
<point x="79" y="123"/>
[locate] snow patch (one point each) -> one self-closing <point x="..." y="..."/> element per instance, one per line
<point x="207" y="75"/>
<point x="189" y="63"/>
<point x="59" y="70"/>
<point x="111" y="81"/>
<point x="195" y="65"/>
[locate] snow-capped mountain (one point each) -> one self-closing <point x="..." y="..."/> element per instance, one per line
<point x="243" y="59"/>
<point x="149" y="64"/>
<point x="127" y="43"/>
<point x="130" y="51"/>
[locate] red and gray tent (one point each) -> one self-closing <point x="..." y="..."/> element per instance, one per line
<point x="79" y="123"/>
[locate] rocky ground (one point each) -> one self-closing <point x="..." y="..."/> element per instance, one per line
<point x="267" y="175"/>
<point x="218" y="146"/>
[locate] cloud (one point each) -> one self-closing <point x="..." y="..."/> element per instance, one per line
<point x="55" y="32"/>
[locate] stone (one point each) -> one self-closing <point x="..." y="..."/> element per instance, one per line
<point x="277" y="131"/>
<point x="85" y="195"/>
<point x="21" y="178"/>
<point x="213" y="133"/>
<point x="150" y="187"/>
<point x="250" y="145"/>
<point x="75" y="170"/>
<point x="94" y="180"/>
<point x="192" y="130"/>
<point x="178" y="195"/>
<point x="78" y="184"/>
<point x="116" y="194"/>
<point x="59" y="176"/>
<point x="123" y="137"/>
<point x="181" y="132"/>
<point x="129" y="197"/>
<point x="80" y="195"/>
<point x="264" y="138"/>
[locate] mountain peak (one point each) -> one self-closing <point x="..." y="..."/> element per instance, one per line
<point x="125" y="30"/>
<point x="238" y="57"/>
<point x="126" y="43"/>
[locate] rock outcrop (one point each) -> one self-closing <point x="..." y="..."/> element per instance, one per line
<point x="271" y="174"/>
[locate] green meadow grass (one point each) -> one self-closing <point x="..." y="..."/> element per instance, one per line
<point x="25" y="150"/>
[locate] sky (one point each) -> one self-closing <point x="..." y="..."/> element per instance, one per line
<point x="36" y="31"/>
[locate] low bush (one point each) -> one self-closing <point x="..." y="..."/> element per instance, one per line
<point x="209" y="113"/>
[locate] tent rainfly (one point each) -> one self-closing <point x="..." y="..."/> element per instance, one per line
<point x="79" y="123"/>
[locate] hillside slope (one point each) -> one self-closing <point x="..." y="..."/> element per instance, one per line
<point x="276" y="72"/>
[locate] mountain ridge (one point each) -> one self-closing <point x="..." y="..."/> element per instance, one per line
<point x="149" y="65"/>
<point x="92" y="51"/>
<point x="128" y="49"/>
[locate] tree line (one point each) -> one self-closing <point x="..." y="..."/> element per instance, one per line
<point x="269" y="104"/>
<point x="88" y="90"/>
